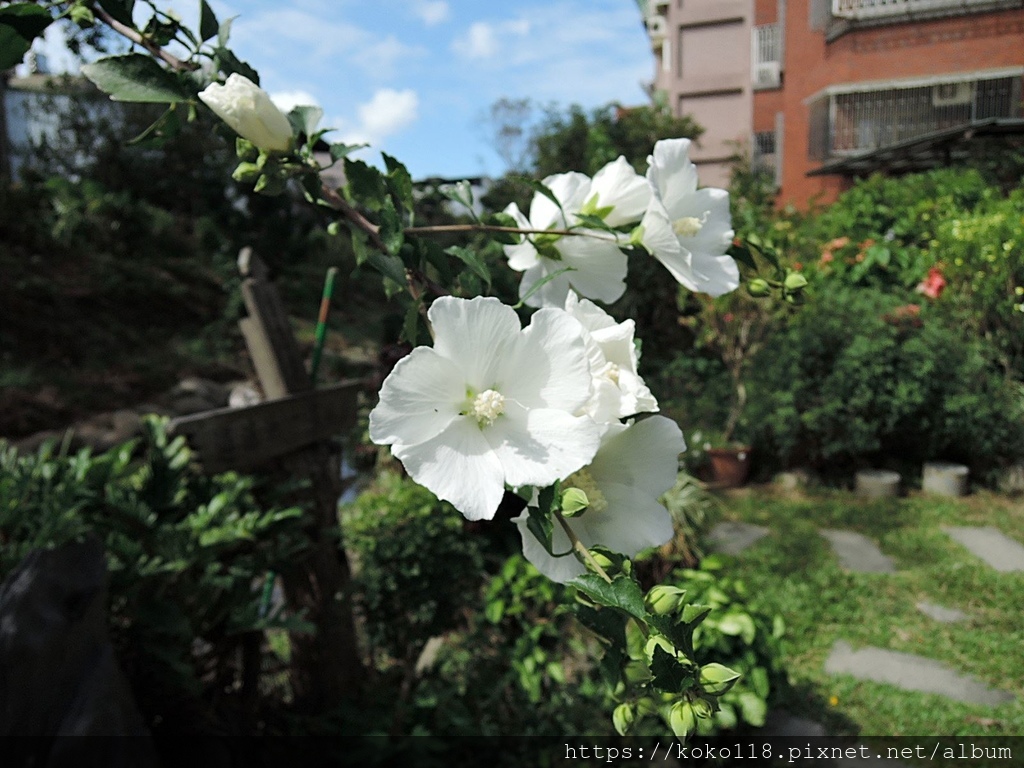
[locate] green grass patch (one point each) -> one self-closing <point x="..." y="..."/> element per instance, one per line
<point x="795" y="574"/>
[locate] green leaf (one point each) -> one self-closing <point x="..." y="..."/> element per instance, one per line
<point x="503" y="220"/>
<point x="592" y="221"/>
<point x="365" y="184"/>
<point x="541" y="283"/>
<point x="472" y="260"/>
<point x="623" y="593"/>
<point x="539" y="523"/>
<point x="738" y="624"/>
<point x="305" y="118"/>
<point x="410" y="325"/>
<point x="539" y="187"/>
<point x="753" y="708"/>
<point x="135" y="77"/>
<point x="121" y="10"/>
<point x="669" y="675"/>
<point x="742" y="254"/>
<point x="20" y="24"/>
<point x="610" y="625"/>
<point x="226" y="61"/>
<point x="208" y="24"/>
<point x="399" y="181"/>
<point x="695" y="614"/>
<point x="389" y="266"/>
<point x="166" y="127"/>
<point x="339" y="149"/>
<point x="224" y="32"/>
<point x="391" y="230"/>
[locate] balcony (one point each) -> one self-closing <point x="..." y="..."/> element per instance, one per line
<point x="846" y="122"/>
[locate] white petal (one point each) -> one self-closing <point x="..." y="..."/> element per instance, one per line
<point x="644" y="455"/>
<point x="542" y="445"/>
<point x="419" y="398"/>
<point x="458" y="466"/>
<point x="591" y="316"/>
<point x="715" y="275"/>
<point x="548" y="367"/>
<point x="672" y="173"/>
<point x="522" y="255"/>
<point x="600" y="267"/>
<point x="560" y="569"/>
<point x="553" y="292"/>
<point x="474" y="334"/>
<point x="633" y="520"/>
<point x="569" y="189"/>
<point x="621" y="187"/>
<point x="662" y="243"/>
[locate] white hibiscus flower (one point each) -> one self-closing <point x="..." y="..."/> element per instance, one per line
<point x="634" y="466"/>
<point x="619" y="391"/>
<point x="491" y="404"/>
<point x="687" y="229"/>
<point x="597" y="267"/>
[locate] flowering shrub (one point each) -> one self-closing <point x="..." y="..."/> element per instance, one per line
<point x="544" y="418"/>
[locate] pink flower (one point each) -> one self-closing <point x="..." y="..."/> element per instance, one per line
<point x="932" y="285"/>
<point x="826" y="257"/>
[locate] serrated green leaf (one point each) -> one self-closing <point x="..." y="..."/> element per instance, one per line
<point x="391" y="230"/>
<point x="399" y="181"/>
<point x="166" y="127"/>
<point x="503" y="220"/>
<point x="753" y="709"/>
<point x="433" y="254"/>
<point x="224" y="32"/>
<point x="742" y="254"/>
<point x="411" y="323"/>
<point x="669" y="675"/>
<point x="539" y="523"/>
<point x="592" y="221"/>
<point x="229" y="64"/>
<point x="208" y="24"/>
<point x="137" y="78"/>
<point x="623" y="593"/>
<point x="472" y="260"/>
<point x="610" y="625"/>
<point x="365" y="184"/>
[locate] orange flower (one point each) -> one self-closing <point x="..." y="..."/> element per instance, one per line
<point x="838" y="242"/>
<point x="932" y="285"/>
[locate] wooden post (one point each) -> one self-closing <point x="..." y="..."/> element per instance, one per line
<point x="287" y="432"/>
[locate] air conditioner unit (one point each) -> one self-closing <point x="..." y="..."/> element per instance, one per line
<point x="767" y="74"/>
<point x="952" y="94"/>
<point x="657" y="28"/>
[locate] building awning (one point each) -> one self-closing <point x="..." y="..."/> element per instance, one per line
<point x="931" y="150"/>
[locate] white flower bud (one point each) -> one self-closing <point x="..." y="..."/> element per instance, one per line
<point x="247" y="108"/>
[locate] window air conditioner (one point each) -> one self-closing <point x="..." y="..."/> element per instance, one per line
<point x="952" y="94"/>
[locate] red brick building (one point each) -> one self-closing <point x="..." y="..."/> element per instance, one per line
<point x="840" y="88"/>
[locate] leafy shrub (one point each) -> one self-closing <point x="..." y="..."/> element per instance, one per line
<point x="417" y="571"/>
<point x="185" y="553"/>
<point x="858" y="378"/>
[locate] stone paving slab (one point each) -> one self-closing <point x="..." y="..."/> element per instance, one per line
<point x="857" y="552"/>
<point x="940" y="613"/>
<point x="991" y="545"/>
<point x="911" y="673"/>
<point x="731" y="538"/>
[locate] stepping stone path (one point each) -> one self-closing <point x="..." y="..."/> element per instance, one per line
<point x="998" y="550"/>
<point x="911" y="673"/>
<point x="731" y="538"/>
<point x="939" y="613"/>
<point x="857" y="552"/>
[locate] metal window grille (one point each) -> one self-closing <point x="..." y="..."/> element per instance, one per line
<point x="766" y="56"/>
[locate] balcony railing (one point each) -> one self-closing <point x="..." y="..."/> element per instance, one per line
<point x="766" y="56"/>
<point x="850" y="123"/>
<point x="857" y="10"/>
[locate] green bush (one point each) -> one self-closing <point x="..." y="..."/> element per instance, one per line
<point x="861" y="378"/>
<point x="417" y="570"/>
<point x="186" y="555"/>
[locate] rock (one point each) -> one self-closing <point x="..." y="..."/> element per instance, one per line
<point x="877" y="483"/>
<point x="58" y="674"/>
<point x="991" y="545"/>
<point x="944" y="479"/>
<point x="857" y="552"/>
<point x="793" y="480"/>
<point x="195" y="395"/>
<point x="243" y="394"/>
<point x="731" y="538"/>
<point x="939" y="613"/>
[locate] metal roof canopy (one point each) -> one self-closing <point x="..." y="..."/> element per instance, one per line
<point x="923" y="152"/>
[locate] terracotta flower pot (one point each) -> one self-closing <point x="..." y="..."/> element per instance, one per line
<point x="729" y="466"/>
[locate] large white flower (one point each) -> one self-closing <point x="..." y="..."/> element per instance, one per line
<point x="618" y="194"/>
<point x="618" y="389"/>
<point x="490" y="404"/>
<point x="248" y="110"/>
<point x="597" y="265"/>
<point x="634" y="466"/>
<point x="687" y="229"/>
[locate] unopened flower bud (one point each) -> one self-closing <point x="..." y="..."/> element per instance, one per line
<point x="702" y="708"/>
<point x="663" y="600"/>
<point x="246" y="173"/>
<point x="759" y="288"/>
<point x="248" y="110"/>
<point x="574" y="502"/>
<point x="623" y="718"/>
<point x="795" y="281"/>
<point x="682" y="720"/>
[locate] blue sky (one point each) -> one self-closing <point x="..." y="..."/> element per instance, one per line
<point x="415" y="77"/>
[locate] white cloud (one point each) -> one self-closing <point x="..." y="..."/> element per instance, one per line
<point x="388" y="112"/>
<point x="288" y="100"/>
<point x="483" y="40"/>
<point x="432" y="12"/>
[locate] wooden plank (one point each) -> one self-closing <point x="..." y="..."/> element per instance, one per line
<point x="243" y="438"/>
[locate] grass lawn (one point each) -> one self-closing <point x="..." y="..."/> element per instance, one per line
<point x="794" y="573"/>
